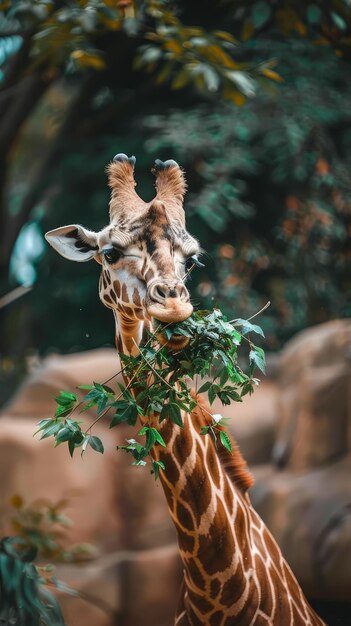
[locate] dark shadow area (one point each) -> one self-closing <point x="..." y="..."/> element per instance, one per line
<point x="334" y="613"/>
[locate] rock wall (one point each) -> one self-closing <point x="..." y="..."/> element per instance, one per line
<point x="304" y="493"/>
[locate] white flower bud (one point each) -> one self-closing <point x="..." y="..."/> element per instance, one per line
<point x="217" y="417"/>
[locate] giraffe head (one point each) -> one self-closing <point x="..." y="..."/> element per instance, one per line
<point x="145" y="252"/>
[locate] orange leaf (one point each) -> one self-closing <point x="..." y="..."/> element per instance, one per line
<point x="234" y="96"/>
<point x="173" y="46"/>
<point x="16" y="501"/>
<point x="272" y="75"/>
<point x="224" y="35"/>
<point x="248" y="30"/>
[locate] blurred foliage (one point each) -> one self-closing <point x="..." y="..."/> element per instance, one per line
<point x="70" y="38"/>
<point x="25" y="583"/>
<point x="326" y="22"/>
<point x="42" y="525"/>
<point x="275" y="175"/>
<point x="268" y="197"/>
<point x="24" y="599"/>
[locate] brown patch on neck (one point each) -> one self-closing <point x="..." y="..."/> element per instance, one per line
<point x="136" y="297"/>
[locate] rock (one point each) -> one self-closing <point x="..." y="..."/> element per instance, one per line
<point x="309" y="515"/>
<point x="35" y="398"/>
<point x="314" y="423"/>
<point x="304" y="495"/>
<point x="253" y="421"/>
<point x="125" y="587"/>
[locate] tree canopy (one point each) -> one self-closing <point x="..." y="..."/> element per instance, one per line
<point x="251" y="97"/>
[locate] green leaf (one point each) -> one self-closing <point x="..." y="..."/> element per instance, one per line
<point x="96" y="444"/>
<point x="66" y="397"/>
<point x="225" y="441"/>
<point x="223" y="377"/>
<point x="156" y="466"/>
<point x="64" y="434"/>
<point x="260" y="13"/>
<point x="89" y="405"/>
<point x="159" y="437"/>
<point x="150" y="439"/>
<point x="257" y="357"/>
<point x="129" y="415"/>
<point x="236" y="337"/>
<point x="187" y="365"/>
<point x="51" y="430"/>
<point x="153" y="407"/>
<point x="205" y="387"/>
<point x="313" y="14"/>
<point x="104" y="389"/>
<point x="63" y="411"/>
<point x="175" y="414"/>
<point x="212" y="393"/>
<point x="93" y="394"/>
<point x="71" y="447"/>
<point x="247" y="327"/>
<point x="43" y="423"/>
<point x="102" y="405"/>
<point x="247" y="389"/>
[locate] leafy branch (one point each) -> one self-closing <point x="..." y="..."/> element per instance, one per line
<point x="157" y="386"/>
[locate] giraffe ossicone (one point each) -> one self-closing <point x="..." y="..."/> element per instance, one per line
<point x="234" y="572"/>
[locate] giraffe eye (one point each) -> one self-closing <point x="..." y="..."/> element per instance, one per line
<point x="192" y="260"/>
<point x="112" y="255"/>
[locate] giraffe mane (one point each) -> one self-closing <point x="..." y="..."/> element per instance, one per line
<point x="233" y="463"/>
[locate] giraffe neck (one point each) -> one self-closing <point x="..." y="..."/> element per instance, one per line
<point x="234" y="572"/>
<point x="128" y="333"/>
<point x="203" y="507"/>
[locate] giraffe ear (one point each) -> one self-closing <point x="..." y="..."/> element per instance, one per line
<point x="73" y="242"/>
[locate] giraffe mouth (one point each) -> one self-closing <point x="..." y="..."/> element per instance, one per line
<point x="175" y="343"/>
<point x="164" y="317"/>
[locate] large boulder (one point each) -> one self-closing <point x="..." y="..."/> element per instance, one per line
<point x="309" y="515"/>
<point x="304" y="494"/>
<point x="314" y="425"/>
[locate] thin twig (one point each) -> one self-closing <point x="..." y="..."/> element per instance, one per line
<point x="13" y="295"/>
<point x="254" y="315"/>
<point x="152" y="368"/>
<point x="261" y="310"/>
<point x="116" y="399"/>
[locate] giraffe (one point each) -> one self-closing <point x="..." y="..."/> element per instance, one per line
<point x="234" y="572"/>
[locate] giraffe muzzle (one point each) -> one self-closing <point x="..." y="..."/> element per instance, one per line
<point x="168" y="302"/>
